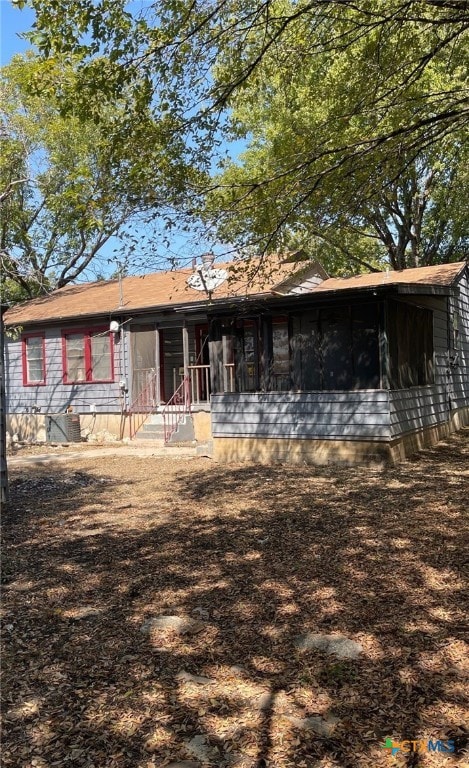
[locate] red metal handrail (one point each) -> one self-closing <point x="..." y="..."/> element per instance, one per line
<point x="178" y="406"/>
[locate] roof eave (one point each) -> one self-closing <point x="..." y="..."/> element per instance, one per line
<point x="428" y="290"/>
<point x="230" y="301"/>
<point x="182" y="307"/>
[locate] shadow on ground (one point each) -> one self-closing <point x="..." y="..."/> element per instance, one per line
<point x="257" y="556"/>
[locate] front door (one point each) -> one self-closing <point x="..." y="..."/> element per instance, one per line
<point x="145" y="372"/>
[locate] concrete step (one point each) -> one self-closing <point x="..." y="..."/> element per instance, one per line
<point x="172" y="447"/>
<point x="155" y="419"/>
<point x="148" y="427"/>
<point x="153" y="429"/>
<point x="150" y="434"/>
<point x="184" y="432"/>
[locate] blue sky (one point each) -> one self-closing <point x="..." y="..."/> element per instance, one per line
<point x="184" y="246"/>
<point x="13" y="22"/>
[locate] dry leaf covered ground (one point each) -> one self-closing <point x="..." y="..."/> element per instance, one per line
<point x="255" y="556"/>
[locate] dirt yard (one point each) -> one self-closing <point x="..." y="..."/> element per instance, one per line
<point x="248" y="560"/>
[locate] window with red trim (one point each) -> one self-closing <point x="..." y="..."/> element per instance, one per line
<point x="87" y="356"/>
<point x="34" y="359"/>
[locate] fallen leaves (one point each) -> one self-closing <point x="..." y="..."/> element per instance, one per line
<point x="253" y="558"/>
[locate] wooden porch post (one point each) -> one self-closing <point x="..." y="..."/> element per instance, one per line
<point x="266" y="356"/>
<point x="158" y="365"/>
<point x="185" y="349"/>
<point x="4" y="493"/>
<point x="384" y="362"/>
<point x="225" y="361"/>
<point x="215" y="346"/>
<point x="240" y="362"/>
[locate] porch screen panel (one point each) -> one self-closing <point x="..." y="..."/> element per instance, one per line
<point x="410" y="333"/>
<point x="425" y="372"/>
<point x="336" y="348"/>
<point x="306" y="353"/>
<point x="143" y="345"/>
<point x="280" y="354"/>
<point x="250" y="350"/>
<point x="173" y="360"/>
<point x="365" y="338"/>
<point x="246" y="356"/>
<point x="76" y="366"/>
<point x="407" y="343"/>
<point x="229" y="344"/>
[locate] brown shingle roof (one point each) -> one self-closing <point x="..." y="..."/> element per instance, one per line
<point x="169" y="289"/>
<point x="441" y="274"/>
<point x="160" y="289"/>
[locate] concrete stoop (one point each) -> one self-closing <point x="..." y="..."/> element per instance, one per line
<point x="153" y="429"/>
<point x="184" y="432"/>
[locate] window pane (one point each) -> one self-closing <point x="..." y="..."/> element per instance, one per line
<point x="34" y="344"/>
<point x="35" y="370"/>
<point x="35" y="359"/>
<point x="75" y="345"/>
<point x="101" y="358"/>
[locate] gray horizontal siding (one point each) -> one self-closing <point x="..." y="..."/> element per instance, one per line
<point x="417" y="408"/>
<point x="321" y="397"/>
<point x="55" y="396"/>
<point x="300" y="287"/>
<point x="420" y="407"/>
<point x="360" y="415"/>
<point x="460" y="373"/>
<point x="440" y="340"/>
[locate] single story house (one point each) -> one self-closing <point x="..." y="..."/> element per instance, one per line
<point x="271" y="360"/>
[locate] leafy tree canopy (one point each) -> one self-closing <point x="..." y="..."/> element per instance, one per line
<point x="404" y="209"/>
<point x="355" y="111"/>
<point x="70" y="184"/>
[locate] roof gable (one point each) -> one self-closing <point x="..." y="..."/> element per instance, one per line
<point x="304" y="280"/>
